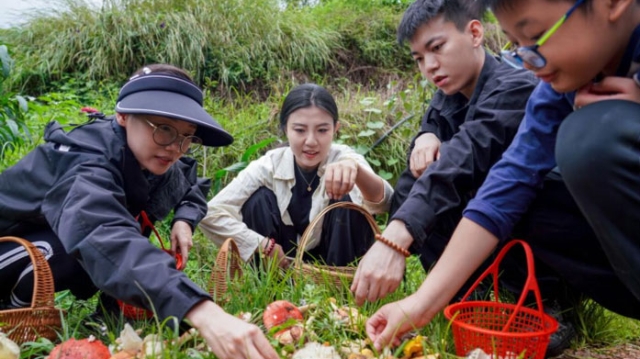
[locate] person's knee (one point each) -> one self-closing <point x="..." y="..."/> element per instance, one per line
<point x="589" y="139"/>
<point x="262" y="198"/>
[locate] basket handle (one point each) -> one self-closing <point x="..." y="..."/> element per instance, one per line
<point x="43" y="286"/>
<point x="531" y="283"/>
<point x="306" y="236"/>
<point x="228" y="259"/>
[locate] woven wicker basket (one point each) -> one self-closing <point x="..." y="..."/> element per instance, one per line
<point x="324" y="273"/>
<point x="227" y="267"/>
<point x="41" y="319"/>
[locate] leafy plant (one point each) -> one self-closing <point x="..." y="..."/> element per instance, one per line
<point x="234" y="168"/>
<point x="13" y="107"/>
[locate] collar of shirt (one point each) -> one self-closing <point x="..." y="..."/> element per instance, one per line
<point x="286" y="169"/>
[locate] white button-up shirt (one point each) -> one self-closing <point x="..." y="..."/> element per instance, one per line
<point x="275" y="171"/>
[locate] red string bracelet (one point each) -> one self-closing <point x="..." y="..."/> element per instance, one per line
<point x="394" y="246"/>
<point x="270" y="246"/>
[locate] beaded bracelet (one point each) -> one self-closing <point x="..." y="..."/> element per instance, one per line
<point x="269" y="247"/>
<point x="393" y="246"/>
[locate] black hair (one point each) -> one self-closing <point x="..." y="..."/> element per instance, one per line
<point x="308" y="95"/>
<point x="421" y="12"/>
<point x="163" y="69"/>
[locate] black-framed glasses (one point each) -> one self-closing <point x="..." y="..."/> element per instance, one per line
<point x="164" y="135"/>
<point x="529" y="54"/>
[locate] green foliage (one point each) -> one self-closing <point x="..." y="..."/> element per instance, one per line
<point x="13" y="107"/>
<point x="234" y="168"/>
<point x="229" y="43"/>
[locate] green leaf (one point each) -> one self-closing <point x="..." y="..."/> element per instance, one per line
<point x="13" y="126"/>
<point x="385" y="175"/>
<point x="361" y="149"/>
<point x="392" y="161"/>
<point x="373" y="161"/>
<point x="236" y="167"/>
<point x="6" y="60"/>
<point x="375" y="124"/>
<point x="366" y="133"/>
<point x="368" y="101"/>
<point x="373" y="110"/>
<point x="23" y="103"/>
<point x="255" y="148"/>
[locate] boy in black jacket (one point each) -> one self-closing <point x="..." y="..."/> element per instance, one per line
<point x="471" y="120"/>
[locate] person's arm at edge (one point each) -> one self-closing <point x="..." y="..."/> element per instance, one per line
<point x="456" y="264"/>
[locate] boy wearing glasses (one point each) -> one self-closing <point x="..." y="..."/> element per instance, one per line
<point x="78" y="197"/>
<point x="585" y="118"/>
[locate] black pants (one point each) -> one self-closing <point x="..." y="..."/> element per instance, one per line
<point x="346" y="234"/>
<point x="598" y="153"/>
<point x="16" y="270"/>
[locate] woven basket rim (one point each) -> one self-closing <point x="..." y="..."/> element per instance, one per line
<point x="228" y="258"/>
<point x="299" y="264"/>
<point x="45" y="317"/>
<point x="43" y="287"/>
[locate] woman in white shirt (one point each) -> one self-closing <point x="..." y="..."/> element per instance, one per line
<point x="270" y="203"/>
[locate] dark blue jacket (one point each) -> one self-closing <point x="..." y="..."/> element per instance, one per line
<point x="513" y="182"/>
<point x="87" y="186"/>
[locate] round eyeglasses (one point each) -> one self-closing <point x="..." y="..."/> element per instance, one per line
<point x="529" y="54"/>
<point x="165" y="135"/>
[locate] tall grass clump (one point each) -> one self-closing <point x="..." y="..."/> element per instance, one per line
<point x="226" y="43"/>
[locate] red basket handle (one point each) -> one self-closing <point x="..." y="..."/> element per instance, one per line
<point x="531" y="283"/>
<point x="147" y="223"/>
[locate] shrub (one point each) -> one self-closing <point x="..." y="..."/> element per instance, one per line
<point x="12" y="108"/>
<point x="230" y="43"/>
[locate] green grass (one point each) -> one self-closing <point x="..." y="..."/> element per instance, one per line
<point x="252" y="121"/>
<point x="248" y="55"/>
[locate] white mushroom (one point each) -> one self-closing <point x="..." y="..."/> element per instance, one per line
<point x="8" y="349"/>
<point x="315" y="350"/>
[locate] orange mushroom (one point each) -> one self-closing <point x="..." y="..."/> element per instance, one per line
<point x="278" y="312"/>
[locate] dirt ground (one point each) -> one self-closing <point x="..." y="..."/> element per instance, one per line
<point x="626" y="351"/>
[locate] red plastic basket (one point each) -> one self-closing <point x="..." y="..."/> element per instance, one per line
<point x="502" y="329"/>
<point x="133" y="312"/>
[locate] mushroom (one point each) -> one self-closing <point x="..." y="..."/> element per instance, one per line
<point x="289" y="335"/>
<point x="8" y="348"/>
<point x="90" y="348"/>
<point x="346" y="315"/>
<point x="152" y="346"/>
<point x="315" y="350"/>
<point x="279" y="312"/>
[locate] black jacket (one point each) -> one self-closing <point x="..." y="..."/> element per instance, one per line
<point x="474" y="134"/>
<point x="87" y="186"/>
